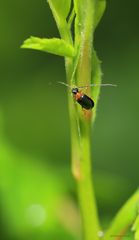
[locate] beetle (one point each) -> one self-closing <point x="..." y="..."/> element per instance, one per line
<point x="85" y="101"/>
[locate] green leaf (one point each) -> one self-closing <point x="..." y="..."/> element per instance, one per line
<point x="79" y="8"/>
<point x="135" y="226"/>
<point x="124" y="218"/>
<point x="100" y="8"/>
<point x="54" y="45"/>
<point x="96" y="79"/>
<point x="60" y="8"/>
<point x="137" y="235"/>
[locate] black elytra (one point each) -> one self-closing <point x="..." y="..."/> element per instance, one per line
<point x="85" y="101"/>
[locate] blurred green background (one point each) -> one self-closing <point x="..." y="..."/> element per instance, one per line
<point x="37" y="193"/>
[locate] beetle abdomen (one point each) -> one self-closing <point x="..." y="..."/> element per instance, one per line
<point x="86" y="102"/>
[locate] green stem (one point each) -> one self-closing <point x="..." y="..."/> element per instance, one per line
<point x="81" y="169"/>
<point x="86" y="189"/>
<point x="85" y="184"/>
<point x="80" y="123"/>
<point x="81" y="129"/>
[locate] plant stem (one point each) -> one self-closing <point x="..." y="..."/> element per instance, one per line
<point x="86" y="190"/>
<point x="81" y="167"/>
<point x="81" y="170"/>
<point x="81" y="128"/>
<point x="85" y="185"/>
<point x="80" y="120"/>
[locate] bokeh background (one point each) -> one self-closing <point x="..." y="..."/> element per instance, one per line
<point x="37" y="193"/>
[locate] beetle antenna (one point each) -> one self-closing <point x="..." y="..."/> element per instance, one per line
<point x="65" y="84"/>
<point x="102" y="85"/>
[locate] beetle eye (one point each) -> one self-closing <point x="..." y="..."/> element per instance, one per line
<point x="74" y="90"/>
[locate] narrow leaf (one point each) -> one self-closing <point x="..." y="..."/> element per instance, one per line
<point x="100" y="8"/>
<point x="137" y="235"/>
<point x="124" y="218"/>
<point x="54" y="45"/>
<point x="78" y="5"/>
<point x="135" y="226"/>
<point x="96" y="79"/>
<point x="60" y="8"/>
